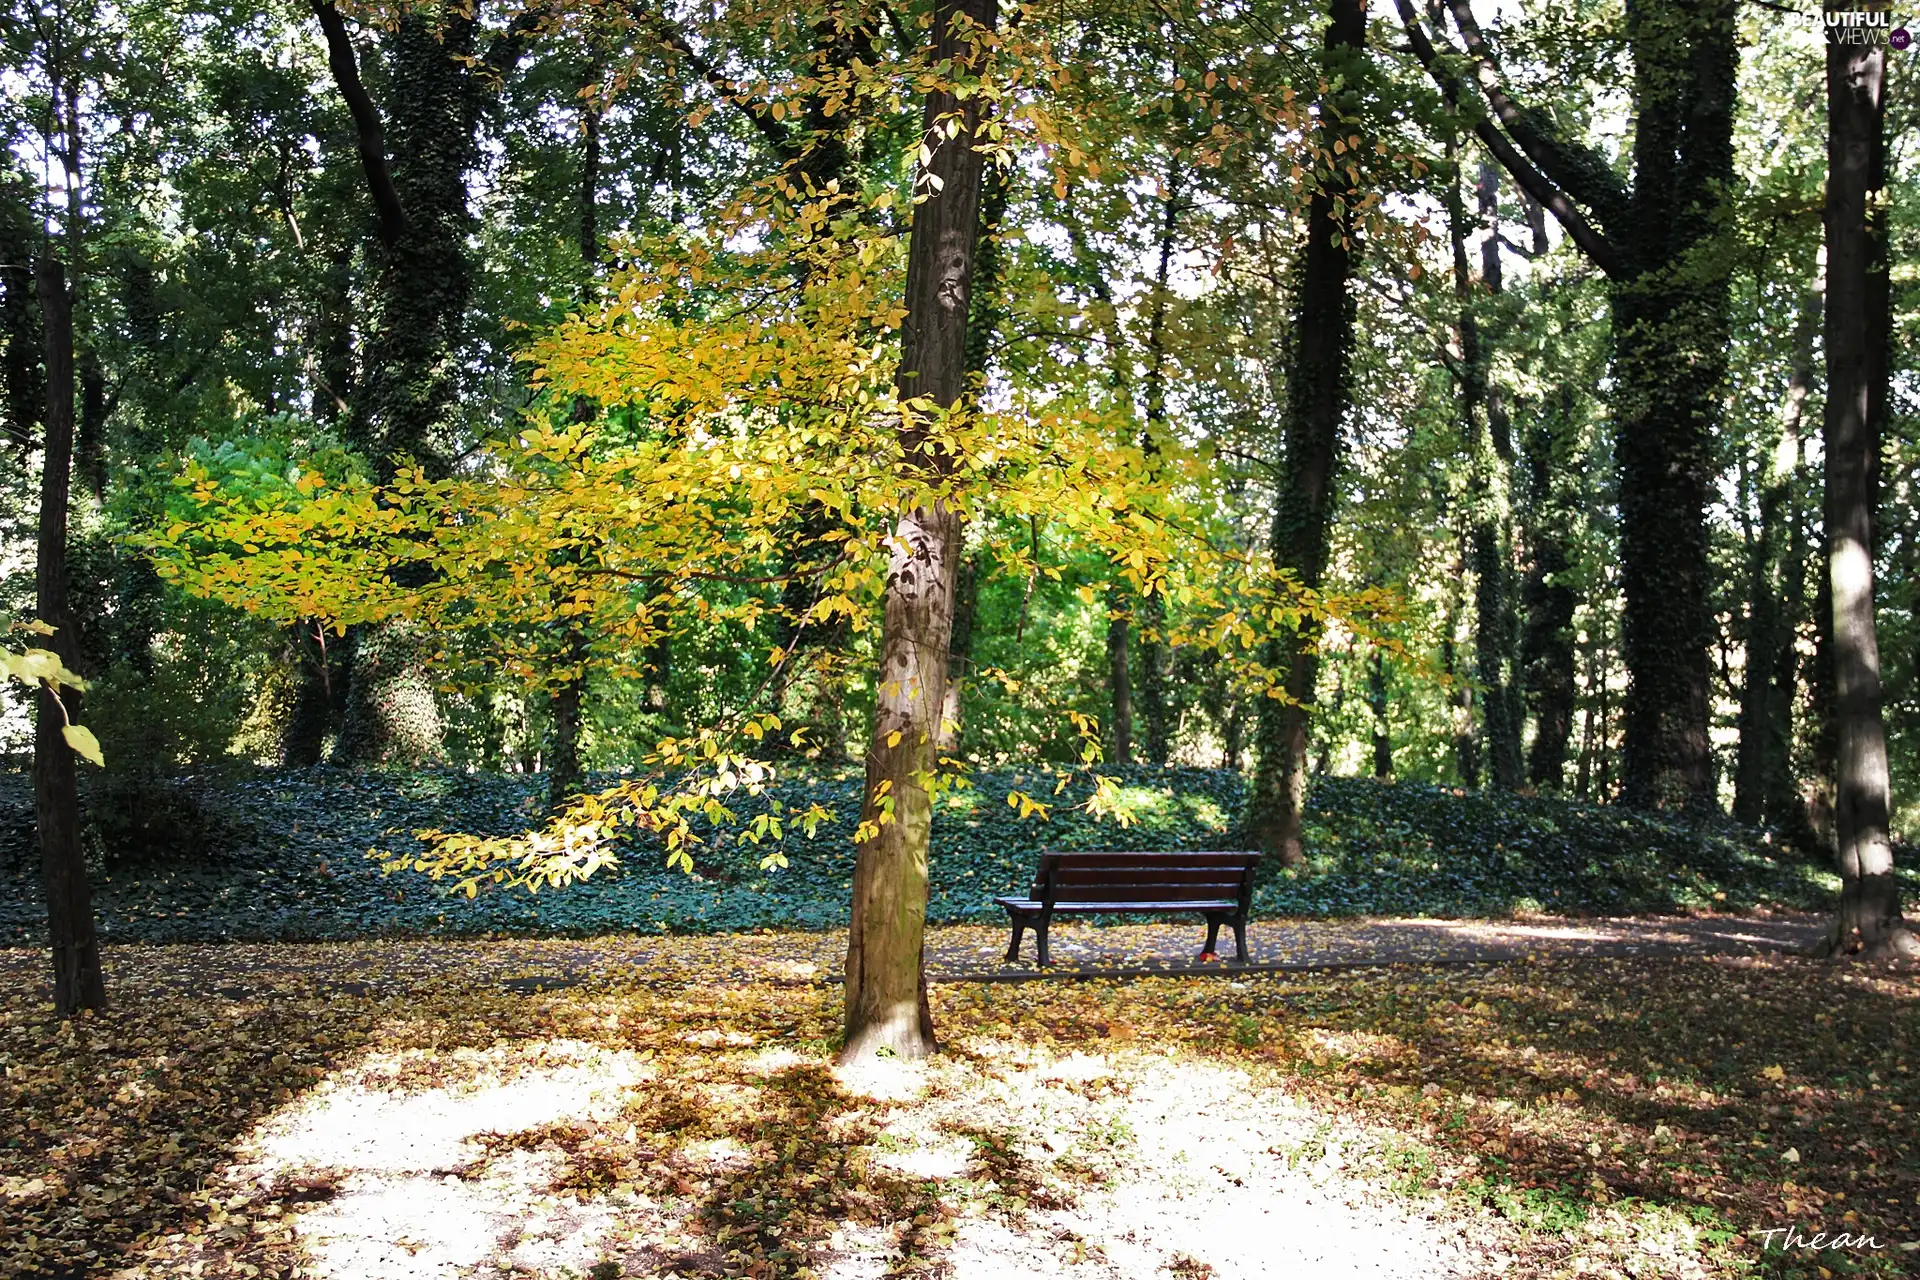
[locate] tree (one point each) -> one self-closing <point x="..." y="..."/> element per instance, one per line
<point x="1868" y="920"/>
<point x="407" y="404"/>
<point x="886" y="991"/>
<point x="1320" y="346"/>
<point x="1657" y="242"/>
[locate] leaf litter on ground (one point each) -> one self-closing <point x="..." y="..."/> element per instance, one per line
<point x="1625" y="1117"/>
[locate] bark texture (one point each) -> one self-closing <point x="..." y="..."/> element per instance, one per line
<point x="1320" y="348"/>
<point x="1868" y="920"/>
<point x="886" y="992"/>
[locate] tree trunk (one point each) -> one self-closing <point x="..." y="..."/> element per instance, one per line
<point x="1484" y="434"/>
<point x="1547" y="650"/>
<point x="1466" y="744"/>
<point x="966" y="608"/>
<point x="1151" y="610"/>
<point x="1120" y="676"/>
<point x="1768" y="630"/>
<point x="1857" y="328"/>
<point x="1670" y="333"/>
<point x="1377" y="701"/>
<point x="407" y="404"/>
<point x="567" y="705"/>
<point x="886" y="990"/>
<point x="1320" y="345"/>
<point x="77" y="980"/>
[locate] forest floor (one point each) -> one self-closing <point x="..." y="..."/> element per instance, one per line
<point x="370" y="1110"/>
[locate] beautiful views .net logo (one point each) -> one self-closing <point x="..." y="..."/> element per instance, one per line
<point x="1854" y="26"/>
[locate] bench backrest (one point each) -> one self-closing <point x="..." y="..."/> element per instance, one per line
<point x="1125" y="877"/>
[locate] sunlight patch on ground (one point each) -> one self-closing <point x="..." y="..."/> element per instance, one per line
<point x="411" y="1182"/>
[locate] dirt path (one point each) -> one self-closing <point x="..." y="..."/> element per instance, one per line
<point x="969" y="953"/>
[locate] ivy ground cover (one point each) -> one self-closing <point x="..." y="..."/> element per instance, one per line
<point x="282" y="856"/>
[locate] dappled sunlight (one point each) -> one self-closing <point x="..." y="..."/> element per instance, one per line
<point x="1644" y="1118"/>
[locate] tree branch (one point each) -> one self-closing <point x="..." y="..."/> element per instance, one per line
<point x="1529" y="179"/>
<point x="368" y="133"/>
<point x="783" y="144"/>
<point x="1579" y="171"/>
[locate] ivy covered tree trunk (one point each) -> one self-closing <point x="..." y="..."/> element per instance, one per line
<point x="566" y="708"/>
<point x="1670" y="333"/>
<point x="408" y="401"/>
<point x="77" y="979"/>
<point x="1487" y="438"/>
<point x="886" y="990"/>
<point x="1769" y="623"/>
<point x="1547" y="646"/>
<point x="1320" y="345"/>
<point x="1659" y="245"/>
<point x="1857" y="330"/>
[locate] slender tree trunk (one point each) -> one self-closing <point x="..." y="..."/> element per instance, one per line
<point x="966" y="610"/>
<point x="1786" y="807"/>
<point x="1768" y="627"/>
<point x="1485" y="435"/>
<point x="1150" y="612"/>
<point x="567" y="705"/>
<point x="1320" y="347"/>
<point x="77" y="979"/>
<point x="1466" y="744"/>
<point x="1547" y="648"/>
<point x="1120" y="675"/>
<point x="1377" y="701"/>
<point x="1857" y="329"/>
<point x="886" y="990"/>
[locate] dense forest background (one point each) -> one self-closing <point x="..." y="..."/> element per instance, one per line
<point x="303" y="238"/>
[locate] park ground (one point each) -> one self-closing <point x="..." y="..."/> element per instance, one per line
<point x="646" y="1106"/>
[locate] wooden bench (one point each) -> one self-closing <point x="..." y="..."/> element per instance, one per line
<point x="1218" y="886"/>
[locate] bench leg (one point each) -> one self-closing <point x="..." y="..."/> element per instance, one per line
<point x="1019" y="931"/>
<point x="1213" y="938"/>
<point x="1240" y="938"/>
<point x="1040" y="939"/>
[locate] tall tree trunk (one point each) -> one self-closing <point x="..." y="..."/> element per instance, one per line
<point x="407" y="404"/>
<point x="1465" y="741"/>
<point x="1670" y="333"/>
<point x="1320" y="345"/>
<point x="1377" y="702"/>
<point x="77" y="980"/>
<point x="1485" y="435"/>
<point x="1786" y="806"/>
<point x="966" y="612"/>
<point x="567" y="705"/>
<point x="1151" y="610"/>
<point x="1547" y="648"/>
<point x="886" y="990"/>
<point x="1668" y="287"/>
<point x="1768" y="627"/>
<point x="1120" y="675"/>
<point x="1857" y="331"/>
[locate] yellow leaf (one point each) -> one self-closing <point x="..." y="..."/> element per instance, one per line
<point x="893" y="739"/>
<point x="81" y="739"/>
